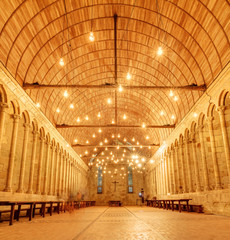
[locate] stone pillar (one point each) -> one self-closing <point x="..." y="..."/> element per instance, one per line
<point x="3" y="107"/>
<point x="67" y="176"/>
<point x="40" y="166"/>
<point x="184" y="182"/>
<point x="23" y="161"/>
<point x="179" y="189"/>
<point x="173" y="172"/>
<point x="56" y="174"/>
<point x="214" y="158"/>
<point x="64" y="175"/>
<point x="60" y="174"/>
<point x="12" y="153"/>
<point x="34" y="148"/>
<point x="51" y="170"/>
<point x="168" y="172"/>
<point x="166" y="175"/>
<point x="190" y="188"/>
<point x="157" y="176"/>
<point x="46" y="168"/>
<point x="198" y="189"/>
<point x="203" y="158"/>
<point x="225" y="139"/>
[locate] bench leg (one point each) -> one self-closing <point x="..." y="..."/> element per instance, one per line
<point x="12" y="214"/>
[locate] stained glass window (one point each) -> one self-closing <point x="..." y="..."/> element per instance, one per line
<point x="99" y="180"/>
<point x="130" y="179"/>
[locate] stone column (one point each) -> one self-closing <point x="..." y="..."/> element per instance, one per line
<point x="31" y="177"/>
<point x="157" y="177"/>
<point x="168" y="172"/>
<point x="203" y="158"/>
<point x="173" y="172"/>
<point x="40" y="166"/>
<point x="198" y="189"/>
<point x="51" y="170"/>
<point x="3" y="107"/>
<point x="225" y="139"/>
<point x="166" y="175"/>
<point x="56" y="174"/>
<point x="60" y="174"/>
<point x="67" y="177"/>
<point x="12" y="153"/>
<point x="179" y="190"/>
<point x="23" y="161"/>
<point x="46" y="168"/>
<point x="64" y="175"/>
<point x="184" y="182"/>
<point x="214" y="158"/>
<point x="190" y="188"/>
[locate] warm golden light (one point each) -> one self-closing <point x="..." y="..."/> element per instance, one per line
<point x="78" y="119"/>
<point x="61" y="62"/>
<point x="94" y="135"/>
<point x="120" y="89"/>
<point x="175" y="98"/>
<point x="58" y="110"/>
<point x="38" y="105"/>
<point x="195" y="115"/>
<point x="71" y="106"/>
<point x="143" y="125"/>
<point x="91" y="36"/>
<point x="124" y="117"/>
<point x="109" y="101"/>
<point x="160" y="51"/>
<point x="99" y="115"/>
<point x="173" y="117"/>
<point x="66" y="94"/>
<point x="147" y="137"/>
<point x="113" y="122"/>
<point x="162" y="113"/>
<point x="86" y="118"/>
<point x="128" y="76"/>
<point x="99" y="130"/>
<point x="171" y="93"/>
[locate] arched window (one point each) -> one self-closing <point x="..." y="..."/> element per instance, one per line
<point x="130" y="179"/>
<point x="99" y="180"/>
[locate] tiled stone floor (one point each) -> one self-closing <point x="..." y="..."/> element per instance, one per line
<point x="123" y="223"/>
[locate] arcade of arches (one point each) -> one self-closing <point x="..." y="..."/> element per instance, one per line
<point x="101" y="99"/>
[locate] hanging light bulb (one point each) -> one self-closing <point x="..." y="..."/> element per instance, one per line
<point x="162" y="113"/>
<point x="86" y="118"/>
<point x="113" y="122"/>
<point x="86" y="152"/>
<point x="147" y="137"/>
<point x="78" y="119"/>
<point x="118" y="147"/>
<point x="171" y="93"/>
<point x="94" y="135"/>
<point x="75" y="140"/>
<point x="91" y="36"/>
<point x="149" y="147"/>
<point x="87" y="142"/>
<point x="101" y="143"/>
<point x="120" y="89"/>
<point x="175" y="98"/>
<point x="143" y="125"/>
<point x="118" y="135"/>
<point x="113" y="136"/>
<point x="128" y="76"/>
<point x="58" y="110"/>
<point x="66" y="94"/>
<point x="106" y="140"/>
<point x="138" y="143"/>
<point x="195" y="114"/>
<point x="71" y="106"/>
<point x="173" y="117"/>
<point x="109" y="101"/>
<point x="124" y="117"/>
<point x="99" y="130"/>
<point x="160" y="51"/>
<point x="133" y="139"/>
<point x="125" y="139"/>
<point x="38" y="105"/>
<point x="106" y="149"/>
<point x="61" y="62"/>
<point x="99" y="115"/>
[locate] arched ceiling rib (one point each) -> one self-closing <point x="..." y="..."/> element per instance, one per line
<point x="194" y="36"/>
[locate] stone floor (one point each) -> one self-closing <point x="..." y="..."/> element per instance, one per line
<point x="123" y="223"/>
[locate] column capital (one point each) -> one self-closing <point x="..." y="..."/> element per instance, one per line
<point x="4" y="105"/>
<point x="42" y="139"/>
<point x="35" y="132"/>
<point x="200" y="127"/>
<point x="210" y="120"/>
<point x="16" y="116"/>
<point x="27" y="126"/>
<point x="221" y="110"/>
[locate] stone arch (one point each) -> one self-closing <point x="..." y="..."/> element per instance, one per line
<point x="16" y="107"/>
<point x="48" y="137"/>
<point x="211" y="108"/>
<point x="193" y="127"/>
<point x="3" y="95"/>
<point x="42" y="132"/>
<point x="181" y="138"/>
<point x="35" y="125"/>
<point x="176" y="143"/>
<point x="186" y="133"/>
<point x="172" y="146"/>
<point x="222" y="98"/>
<point x="53" y="142"/>
<point x="26" y="117"/>
<point x="201" y="119"/>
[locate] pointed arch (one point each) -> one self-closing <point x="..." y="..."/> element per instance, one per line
<point x="3" y="95"/>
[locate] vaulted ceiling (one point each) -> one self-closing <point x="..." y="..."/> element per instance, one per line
<point x="194" y="36"/>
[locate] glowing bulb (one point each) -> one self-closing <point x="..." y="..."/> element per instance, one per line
<point x="118" y="147"/>
<point x="106" y="150"/>
<point x="75" y="140"/>
<point x="143" y="125"/>
<point x="99" y="115"/>
<point x="99" y="130"/>
<point x="151" y="161"/>
<point x="101" y="143"/>
<point x="71" y="106"/>
<point x="162" y="113"/>
<point x="141" y="147"/>
<point x="143" y="159"/>
<point x="125" y="139"/>
<point x="133" y="139"/>
<point x="109" y="101"/>
<point x="160" y="51"/>
<point x="171" y="93"/>
<point x="61" y="62"/>
<point x="78" y="119"/>
<point x="58" y="110"/>
<point x="66" y="94"/>
<point x="118" y="135"/>
<point x="147" y="137"/>
<point x="106" y="140"/>
<point x="113" y="136"/>
<point x="67" y="145"/>
<point x="120" y="89"/>
<point x="86" y="152"/>
<point x="91" y="36"/>
<point x="94" y="135"/>
<point x="128" y="76"/>
<point x="38" y="105"/>
<point x="86" y="118"/>
<point x="195" y="115"/>
<point x="173" y="117"/>
<point x="113" y="122"/>
<point x="87" y="142"/>
<point x="138" y="143"/>
<point x="175" y="98"/>
<point x="149" y="147"/>
<point x="124" y="117"/>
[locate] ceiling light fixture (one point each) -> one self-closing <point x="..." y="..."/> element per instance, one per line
<point x="128" y="76"/>
<point x="160" y="51"/>
<point x="91" y="37"/>
<point x="66" y="94"/>
<point x="61" y="62"/>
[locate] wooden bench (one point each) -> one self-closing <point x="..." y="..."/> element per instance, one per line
<point x="114" y="203"/>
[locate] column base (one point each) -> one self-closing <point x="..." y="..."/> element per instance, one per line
<point x="30" y="192"/>
<point x="38" y="192"/>
<point x="206" y="188"/>
<point x="198" y="189"/>
<point x="8" y="189"/>
<point x="218" y="187"/>
<point x="20" y="191"/>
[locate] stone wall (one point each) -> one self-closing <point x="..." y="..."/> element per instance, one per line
<point x="108" y="188"/>
<point x="36" y="163"/>
<point x="194" y="162"/>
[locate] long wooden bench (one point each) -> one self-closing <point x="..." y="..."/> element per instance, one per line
<point x="175" y="204"/>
